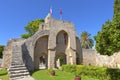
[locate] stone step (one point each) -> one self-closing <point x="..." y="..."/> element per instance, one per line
<point x="19" y="74"/>
<point x="17" y="68"/>
<point x="14" y="64"/>
<point x="16" y="53"/>
<point x="16" y="57"/>
<point x="18" y="78"/>
<point x="19" y="71"/>
<point x="17" y="62"/>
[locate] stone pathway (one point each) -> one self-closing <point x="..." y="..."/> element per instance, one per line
<point x="27" y="78"/>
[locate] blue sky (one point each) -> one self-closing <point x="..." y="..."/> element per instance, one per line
<point x="87" y="15"/>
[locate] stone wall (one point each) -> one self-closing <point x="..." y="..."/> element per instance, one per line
<point x="91" y="57"/>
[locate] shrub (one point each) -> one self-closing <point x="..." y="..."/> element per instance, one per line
<point x="91" y="71"/>
<point x="69" y="68"/>
<point x="101" y="73"/>
<point x="114" y="74"/>
<point x="3" y="72"/>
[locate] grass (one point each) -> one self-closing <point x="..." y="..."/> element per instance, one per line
<point x="4" y="75"/>
<point x="60" y="75"/>
<point x="45" y="75"/>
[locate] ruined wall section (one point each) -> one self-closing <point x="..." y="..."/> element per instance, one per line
<point x="91" y="57"/>
<point x="7" y="53"/>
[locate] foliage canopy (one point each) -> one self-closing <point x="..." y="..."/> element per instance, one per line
<point x="31" y="28"/>
<point x="108" y="39"/>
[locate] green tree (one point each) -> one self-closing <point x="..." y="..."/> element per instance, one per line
<point x="116" y="6"/>
<point x="86" y="41"/>
<point x="1" y="51"/>
<point x="31" y="28"/>
<point x="108" y="39"/>
<point x="103" y="39"/>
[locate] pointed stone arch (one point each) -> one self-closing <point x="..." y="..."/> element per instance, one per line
<point x="61" y="47"/>
<point x="41" y="52"/>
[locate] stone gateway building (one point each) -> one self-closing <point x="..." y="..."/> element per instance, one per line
<point x="55" y="39"/>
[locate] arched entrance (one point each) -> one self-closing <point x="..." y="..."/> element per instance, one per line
<point x="43" y="61"/>
<point x="41" y="53"/>
<point x="61" y="46"/>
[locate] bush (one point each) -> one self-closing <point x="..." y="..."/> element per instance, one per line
<point x="3" y="72"/>
<point x="114" y="74"/>
<point x="91" y="71"/>
<point x="69" y="68"/>
<point x="101" y="73"/>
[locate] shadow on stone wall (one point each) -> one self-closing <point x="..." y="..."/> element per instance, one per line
<point x="27" y="59"/>
<point x="79" y="51"/>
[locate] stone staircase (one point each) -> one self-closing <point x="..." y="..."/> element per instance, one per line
<point x="17" y="70"/>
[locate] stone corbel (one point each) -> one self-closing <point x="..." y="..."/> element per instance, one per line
<point x="73" y="49"/>
<point x="52" y="49"/>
